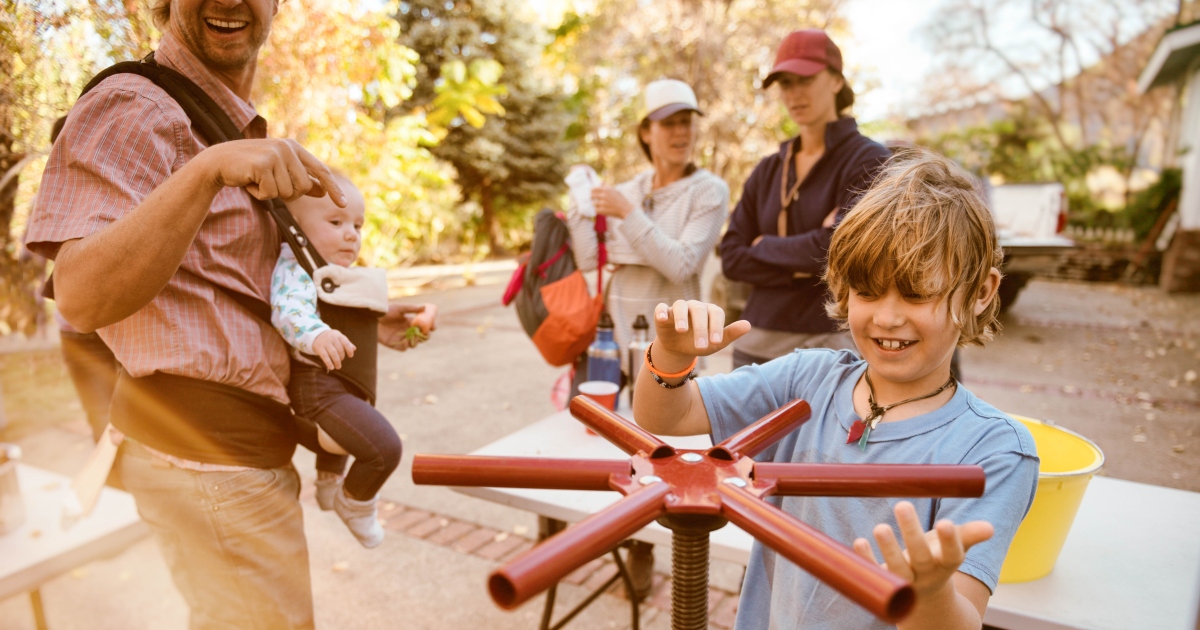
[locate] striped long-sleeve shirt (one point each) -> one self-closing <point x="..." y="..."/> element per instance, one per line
<point x="659" y="249"/>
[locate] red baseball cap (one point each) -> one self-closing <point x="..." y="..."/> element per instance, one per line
<point x="805" y="53"/>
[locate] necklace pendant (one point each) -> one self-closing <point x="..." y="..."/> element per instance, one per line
<point x="856" y="431"/>
<point x="862" y="441"/>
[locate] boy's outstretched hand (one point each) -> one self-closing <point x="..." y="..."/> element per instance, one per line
<point x="930" y="560"/>
<point x="694" y="328"/>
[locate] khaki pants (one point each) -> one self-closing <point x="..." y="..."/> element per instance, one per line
<point x="234" y="541"/>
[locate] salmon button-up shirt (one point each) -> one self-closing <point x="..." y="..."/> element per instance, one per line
<point x="121" y="141"/>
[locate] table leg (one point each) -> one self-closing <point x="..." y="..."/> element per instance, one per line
<point x="548" y="527"/>
<point x="39" y="613"/>
<point x="628" y="579"/>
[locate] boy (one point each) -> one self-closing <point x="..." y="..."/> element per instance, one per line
<point x="912" y="275"/>
<point x="344" y="422"/>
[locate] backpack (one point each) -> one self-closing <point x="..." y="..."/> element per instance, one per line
<point x="551" y="295"/>
<point x="345" y="310"/>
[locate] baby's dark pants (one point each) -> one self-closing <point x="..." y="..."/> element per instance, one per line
<point x="321" y="399"/>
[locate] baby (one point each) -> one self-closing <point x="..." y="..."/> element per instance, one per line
<point x="335" y="420"/>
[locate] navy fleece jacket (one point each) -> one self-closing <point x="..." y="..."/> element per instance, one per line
<point x="788" y="294"/>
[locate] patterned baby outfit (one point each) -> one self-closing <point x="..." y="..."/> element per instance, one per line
<point x="294" y="305"/>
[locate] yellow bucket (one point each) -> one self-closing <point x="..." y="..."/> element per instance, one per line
<point x="1068" y="462"/>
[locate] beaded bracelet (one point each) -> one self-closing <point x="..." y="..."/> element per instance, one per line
<point x="687" y="374"/>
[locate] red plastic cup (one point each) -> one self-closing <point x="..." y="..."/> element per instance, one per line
<point x="603" y="392"/>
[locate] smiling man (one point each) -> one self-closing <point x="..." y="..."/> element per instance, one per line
<point x="155" y="234"/>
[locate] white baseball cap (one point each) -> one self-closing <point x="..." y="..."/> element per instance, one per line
<point x="669" y="96"/>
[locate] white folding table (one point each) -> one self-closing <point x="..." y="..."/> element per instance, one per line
<point x="1132" y="559"/>
<point x="41" y="550"/>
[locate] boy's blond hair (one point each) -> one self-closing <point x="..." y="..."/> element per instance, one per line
<point x="923" y="225"/>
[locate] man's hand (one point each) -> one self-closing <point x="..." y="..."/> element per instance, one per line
<point x="393" y="327"/>
<point x="610" y="202"/>
<point x="426" y="320"/>
<point x="332" y="346"/>
<point x="270" y="168"/>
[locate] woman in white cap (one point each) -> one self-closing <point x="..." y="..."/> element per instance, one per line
<point x="663" y="223"/>
<point x="780" y="231"/>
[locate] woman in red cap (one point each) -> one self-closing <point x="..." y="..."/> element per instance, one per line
<point x="780" y="231"/>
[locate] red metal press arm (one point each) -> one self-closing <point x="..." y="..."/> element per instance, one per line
<point x="866" y="583"/>
<point x="757" y="437"/>
<point x="541" y="567"/>
<point x="872" y="480"/>
<point x="624" y="434"/>
<point x="517" y="472"/>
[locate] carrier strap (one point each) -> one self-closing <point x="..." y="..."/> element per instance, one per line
<point x="215" y="126"/>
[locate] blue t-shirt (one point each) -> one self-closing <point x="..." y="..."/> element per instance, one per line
<point x="779" y="595"/>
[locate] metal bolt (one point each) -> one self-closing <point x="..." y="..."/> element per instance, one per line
<point x="735" y="481"/>
<point x="649" y="479"/>
<point x="691" y="458"/>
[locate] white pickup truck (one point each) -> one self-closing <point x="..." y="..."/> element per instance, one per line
<point x="1029" y="221"/>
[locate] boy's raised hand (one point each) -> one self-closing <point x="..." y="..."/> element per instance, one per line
<point x="930" y="559"/>
<point x="332" y="346"/>
<point x="695" y="328"/>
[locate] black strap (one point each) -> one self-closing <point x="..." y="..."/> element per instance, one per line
<point x="214" y="125"/>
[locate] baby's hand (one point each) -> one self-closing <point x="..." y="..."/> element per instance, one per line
<point x="694" y="328"/>
<point x="332" y="346"/>
<point x="931" y="558"/>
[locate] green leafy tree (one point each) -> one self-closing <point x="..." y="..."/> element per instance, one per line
<point x="514" y="158"/>
<point x="721" y="48"/>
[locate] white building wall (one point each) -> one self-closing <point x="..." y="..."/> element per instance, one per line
<point x="1189" y="145"/>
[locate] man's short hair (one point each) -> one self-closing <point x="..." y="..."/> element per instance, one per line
<point x="160" y="10"/>
<point x="924" y="226"/>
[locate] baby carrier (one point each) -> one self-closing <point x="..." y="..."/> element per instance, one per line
<point x="350" y="300"/>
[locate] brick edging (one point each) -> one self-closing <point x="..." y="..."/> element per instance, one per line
<point x="497" y="546"/>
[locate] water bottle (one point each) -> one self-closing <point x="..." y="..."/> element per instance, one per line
<point x="637" y="350"/>
<point x="604" y="355"/>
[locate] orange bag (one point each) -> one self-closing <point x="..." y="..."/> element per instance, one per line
<point x="552" y="299"/>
